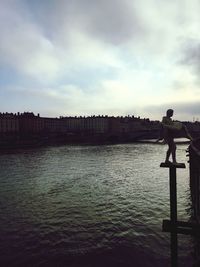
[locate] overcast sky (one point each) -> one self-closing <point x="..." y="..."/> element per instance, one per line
<point x="91" y="57"/>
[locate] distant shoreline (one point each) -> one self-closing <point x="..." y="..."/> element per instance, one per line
<point x="30" y="145"/>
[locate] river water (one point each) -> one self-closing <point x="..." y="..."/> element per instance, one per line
<point x="90" y="206"/>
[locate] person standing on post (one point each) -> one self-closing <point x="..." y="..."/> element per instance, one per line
<point x="170" y="130"/>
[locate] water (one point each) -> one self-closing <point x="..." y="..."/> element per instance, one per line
<point x="90" y="206"/>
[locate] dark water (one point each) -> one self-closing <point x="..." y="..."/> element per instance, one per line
<point x="89" y="206"/>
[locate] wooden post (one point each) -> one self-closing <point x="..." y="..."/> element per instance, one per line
<point x="173" y="209"/>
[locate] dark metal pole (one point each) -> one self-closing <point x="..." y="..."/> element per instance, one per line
<point x="172" y="224"/>
<point x="173" y="216"/>
<point x="173" y="195"/>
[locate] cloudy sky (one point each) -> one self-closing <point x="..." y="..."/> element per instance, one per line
<point x="91" y="57"/>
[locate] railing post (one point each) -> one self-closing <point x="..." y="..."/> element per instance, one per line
<point x="173" y="210"/>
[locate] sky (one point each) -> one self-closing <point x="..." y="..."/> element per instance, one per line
<point x="100" y="57"/>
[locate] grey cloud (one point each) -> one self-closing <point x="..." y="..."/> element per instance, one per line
<point x="112" y="21"/>
<point x="192" y="108"/>
<point x="184" y="111"/>
<point x="191" y="54"/>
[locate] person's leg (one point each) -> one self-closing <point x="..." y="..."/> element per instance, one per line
<point x="167" y="155"/>
<point x="173" y="149"/>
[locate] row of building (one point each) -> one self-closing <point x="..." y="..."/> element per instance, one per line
<point x="28" y="123"/>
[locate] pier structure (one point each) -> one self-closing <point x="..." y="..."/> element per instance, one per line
<point x="174" y="226"/>
<point x="194" y="163"/>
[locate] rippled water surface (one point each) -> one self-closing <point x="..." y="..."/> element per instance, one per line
<point x="89" y="206"/>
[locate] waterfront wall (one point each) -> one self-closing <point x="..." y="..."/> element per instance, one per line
<point x="28" y="124"/>
<point x="15" y="128"/>
<point x="194" y="160"/>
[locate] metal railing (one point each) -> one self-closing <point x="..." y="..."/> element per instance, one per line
<point x="194" y="160"/>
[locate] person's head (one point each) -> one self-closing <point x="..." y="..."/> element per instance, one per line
<point x="169" y="112"/>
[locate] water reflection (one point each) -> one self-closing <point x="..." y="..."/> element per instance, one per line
<point x="88" y="205"/>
